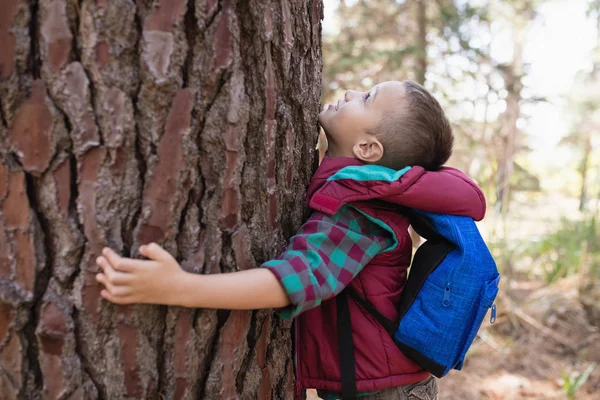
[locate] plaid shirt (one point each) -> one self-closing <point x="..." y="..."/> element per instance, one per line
<point x="325" y="255"/>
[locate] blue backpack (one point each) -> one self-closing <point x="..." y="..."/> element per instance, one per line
<point x="452" y="284"/>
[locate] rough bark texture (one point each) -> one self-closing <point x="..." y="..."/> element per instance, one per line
<point x="189" y="123"/>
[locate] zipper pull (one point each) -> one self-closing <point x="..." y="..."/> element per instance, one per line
<point x="493" y="316"/>
<point x="446" y="300"/>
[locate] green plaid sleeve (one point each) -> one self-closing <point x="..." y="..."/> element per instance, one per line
<point x="325" y="255"/>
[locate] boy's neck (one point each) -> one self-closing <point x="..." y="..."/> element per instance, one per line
<point x="331" y="156"/>
<point x="332" y="164"/>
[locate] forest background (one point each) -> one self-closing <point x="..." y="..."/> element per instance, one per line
<point x="520" y="81"/>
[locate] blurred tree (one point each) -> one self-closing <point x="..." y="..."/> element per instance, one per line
<point x="390" y="39"/>
<point x="517" y="14"/>
<point x="377" y="41"/>
<point x="421" y="50"/>
<point x="585" y="104"/>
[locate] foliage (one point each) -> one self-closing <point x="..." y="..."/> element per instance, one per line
<point x="490" y="101"/>
<point x="574" y="381"/>
<point x="585" y="108"/>
<point x="487" y="100"/>
<point x="573" y="246"/>
<point x="451" y="48"/>
<point x="374" y="44"/>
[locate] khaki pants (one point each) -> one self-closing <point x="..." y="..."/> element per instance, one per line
<point x="424" y="390"/>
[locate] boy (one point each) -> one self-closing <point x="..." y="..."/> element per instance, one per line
<point x="354" y="238"/>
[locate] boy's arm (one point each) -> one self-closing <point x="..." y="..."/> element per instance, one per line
<point x="320" y="261"/>
<point x="445" y="191"/>
<point x="161" y="280"/>
<point x="246" y="290"/>
<point x="325" y="255"/>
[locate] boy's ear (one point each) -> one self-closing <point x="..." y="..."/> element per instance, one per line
<point x="368" y="150"/>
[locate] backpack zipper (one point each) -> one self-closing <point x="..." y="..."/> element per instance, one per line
<point x="454" y="271"/>
<point x="493" y="316"/>
<point x="446" y="300"/>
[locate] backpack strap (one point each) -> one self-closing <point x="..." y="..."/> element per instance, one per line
<point x="345" y="341"/>
<point x="346" y="347"/>
<point x="420" y="223"/>
<point x="426" y="260"/>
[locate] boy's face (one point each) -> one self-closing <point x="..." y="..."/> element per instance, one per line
<point x="350" y="120"/>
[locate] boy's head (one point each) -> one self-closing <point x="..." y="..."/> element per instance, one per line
<point x="395" y="124"/>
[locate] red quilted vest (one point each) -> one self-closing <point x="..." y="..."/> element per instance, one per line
<point x="379" y="363"/>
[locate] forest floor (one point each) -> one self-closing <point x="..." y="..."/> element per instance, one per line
<point x="541" y="334"/>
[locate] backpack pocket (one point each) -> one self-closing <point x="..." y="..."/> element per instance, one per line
<point x="434" y="326"/>
<point x="441" y="324"/>
<point x="486" y="300"/>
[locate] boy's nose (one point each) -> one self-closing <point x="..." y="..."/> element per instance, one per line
<point x="351" y="95"/>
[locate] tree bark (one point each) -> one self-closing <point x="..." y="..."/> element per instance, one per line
<point x="583" y="170"/>
<point x="421" y="64"/>
<point x="512" y="74"/>
<point x="188" y="123"/>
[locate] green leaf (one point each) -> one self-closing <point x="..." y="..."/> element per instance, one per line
<point x="584" y="377"/>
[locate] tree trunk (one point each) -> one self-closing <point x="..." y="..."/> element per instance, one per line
<point x="512" y="74"/>
<point x="421" y="67"/>
<point x="583" y="170"/>
<point x="188" y="123"/>
<point x="593" y="79"/>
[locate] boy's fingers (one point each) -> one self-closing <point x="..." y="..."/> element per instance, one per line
<point x="108" y="268"/>
<point x="101" y="262"/>
<point x="116" y="291"/>
<point x="108" y="272"/>
<point x="156" y="253"/>
<point x="117" y="278"/>
<point x="121" y="291"/>
<point x="102" y="279"/>
<point x="112" y="257"/>
<point x="113" y="260"/>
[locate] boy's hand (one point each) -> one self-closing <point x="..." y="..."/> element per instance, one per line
<point x="128" y="280"/>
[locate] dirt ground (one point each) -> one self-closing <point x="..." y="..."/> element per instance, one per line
<point x="543" y="333"/>
<point x="539" y="335"/>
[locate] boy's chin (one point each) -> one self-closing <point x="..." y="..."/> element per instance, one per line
<point x="322" y="119"/>
<point x="322" y="126"/>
